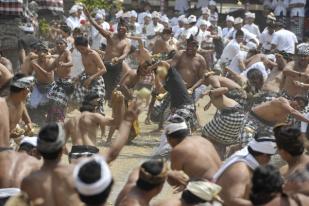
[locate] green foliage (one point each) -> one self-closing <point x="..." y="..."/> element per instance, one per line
<point x="100" y="4"/>
<point x="43" y="27"/>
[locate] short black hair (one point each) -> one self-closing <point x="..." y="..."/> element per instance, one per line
<point x="66" y="29"/>
<point x="90" y="173"/>
<point x="26" y="147"/>
<point x="189" y="198"/>
<point x="254" y="73"/>
<point x="153" y="167"/>
<point x="86" y="104"/>
<point x="14" y="89"/>
<point x="239" y="33"/>
<point x="302" y="98"/>
<point x="266" y="182"/>
<point x="49" y="133"/>
<point x="180" y="134"/>
<point x="81" y="41"/>
<point x="289" y="139"/>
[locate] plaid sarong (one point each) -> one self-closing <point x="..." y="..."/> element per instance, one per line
<point x="52" y="5"/>
<point x="97" y="87"/>
<point x="260" y="97"/>
<point x="57" y="92"/>
<point x="253" y="125"/>
<point x="297" y="27"/>
<point x="225" y="127"/>
<point x="238" y="95"/>
<point x="11" y="7"/>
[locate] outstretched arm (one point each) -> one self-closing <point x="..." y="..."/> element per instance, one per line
<point x="124" y="132"/>
<point x="217" y="92"/>
<point x="106" y="34"/>
<point x="295" y="113"/>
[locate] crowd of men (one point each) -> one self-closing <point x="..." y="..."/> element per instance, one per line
<point x="252" y="152"/>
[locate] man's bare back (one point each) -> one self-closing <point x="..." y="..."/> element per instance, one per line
<point x="51" y="185"/>
<point x="193" y="152"/>
<point x="14" y="167"/>
<point x="83" y="128"/>
<point x="16" y="111"/>
<point x="221" y="101"/>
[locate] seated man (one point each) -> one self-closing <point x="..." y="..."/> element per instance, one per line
<point x="223" y="130"/>
<point x="192" y="149"/>
<point x="196" y="193"/>
<point x="234" y="176"/>
<point x="264" y="116"/>
<point x="143" y="184"/>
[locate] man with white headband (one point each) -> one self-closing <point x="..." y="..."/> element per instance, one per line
<point x="250" y="25"/>
<point x="234" y="176"/>
<point x="144" y="183"/>
<point x="55" y="175"/>
<point x="165" y="43"/>
<point x="96" y="37"/>
<point x="229" y="25"/>
<point x="29" y="146"/>
<point x="16" y="101"/>
<point x="182" y="145"/>
<point x="196" y="193"/>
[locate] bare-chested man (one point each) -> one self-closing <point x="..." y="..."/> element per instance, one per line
<point x="143" y="184"/>
<point x="82" y="128"/>
<point x="234" y="176"/>
<point x="117" y="49"/>
<point x="61" y="88"/>
<point x="5" y="77"/>
<point x="265" y="116"/>
<point x="193" y="150"/>
<point x="297" y="70"/>
<point x="91" y="80"/>
<point x="189" y="63"/>
<point x="16" y="101"/>
<point x="55" y="177"/>
<point x="165" y="43"/>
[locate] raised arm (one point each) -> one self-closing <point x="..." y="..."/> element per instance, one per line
<point x="124" y="132"/>
<point x="295" y="113"/>
<point x="106" y="34"/>
<point x="237" y="77"/>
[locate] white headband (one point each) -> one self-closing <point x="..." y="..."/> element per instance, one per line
<point x="96" y="187"/>
<point x="205" y="190"/>
<point x="264" y="145"/>
<point x="45" y="146"/>
<point x="30" y="140"/>
<point x="24" y="82"/>
<point x="173" y="127"/>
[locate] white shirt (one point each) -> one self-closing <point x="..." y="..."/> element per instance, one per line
<point x="226" y="30"/>
<point x="199" y="22"/>
<point x="280" y="7"/>
<point x="253" y="28"/>
<point x="73" y="22"/>
<point x="202" y="36"/>
<point x="300" y="11"/>
<point x="230" y="51"/>
<point x="97" y="38"/>
<point x="266" y="39"/>
<point x="285" y="41"/>
<point x="260" y="66"/>
<point x="247" y="35"/>
<point x="140" y="17"/>
<point x="234" y="65"/>
<point x="191" y="31"/>
<point x="158" y="28"/>
<point x="149" y="30"/>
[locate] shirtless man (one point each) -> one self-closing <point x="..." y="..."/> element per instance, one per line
<point x="234" y="176"/>
<point x="265" y="116"/>
<point x="91" y="80"/>
<point x="4" y="125"/>
<point x="189" y="64"/>
<point x="61" y="87"/>
<point x="165" y="43"/>
<point x="193" y="149"/>
<point x="82" y="128"/>
<point x="223" y="130"/>
<point x="117" y="49"/>
<point x="55" y="176"/>
<point x="5" y="77"/>
<point x="16" y="101"/>
<point x="143" y="184"/>
<point x="297" y="70"/>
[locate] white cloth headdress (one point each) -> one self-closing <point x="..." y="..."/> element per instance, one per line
<point x="49" y="147"/>
<point x="24" y="82"/>
<point x="205" y="190"/>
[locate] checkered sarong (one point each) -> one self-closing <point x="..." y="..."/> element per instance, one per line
<point x="297" y="27"/>
<point x="188" y="113"/>
<point x="225" y="127"/>
<point x="11" y="7"/>
<point x="52" y="5"/>
<point x="253" y="125"/>
<point x="97" y="87"/>
<point x="57" y="92"/>
<point x="238" y="95"/>
<point x="260" y="97"/>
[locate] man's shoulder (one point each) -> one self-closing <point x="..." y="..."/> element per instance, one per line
<point x="238" y="170"/>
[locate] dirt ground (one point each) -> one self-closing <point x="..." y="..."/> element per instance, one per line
<point x="142" y="149"/>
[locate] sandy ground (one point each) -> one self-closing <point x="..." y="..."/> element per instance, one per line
<point x="141" y="149"/>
